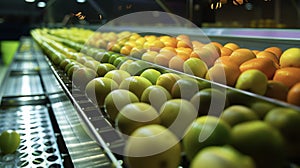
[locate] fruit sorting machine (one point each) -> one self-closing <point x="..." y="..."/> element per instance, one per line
<point x="60" y="127"/>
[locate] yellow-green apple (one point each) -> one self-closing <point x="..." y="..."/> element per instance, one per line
<point x="117" y="75"/>
<point x="135" y="84"/>
<point x="236" y="114"/>
<point x="116" y="100"/>
<point x="167" y="80"/>
<point x="185" y="88"/>
<point x="252" y="80"/>
<point x="151" y="75"/>
<point x="261" y="141"/>
<point x="210" y="101"/>
<point x="290" y="58"/>
<point x="82" y="76"/>
<point x="177" y="115"/>
<point x="203" y="132"/>
<point x="152" y="146"/>
<point x="156" y="96"/>
<point x="104" y="68"/>
<point x="135" y="115"/>
<point x="98" y="88"/>
<point x="221" y="157"/>
<point x="196" y="67"/>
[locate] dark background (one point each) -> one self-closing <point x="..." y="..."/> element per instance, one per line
<point x="17" y="17"/>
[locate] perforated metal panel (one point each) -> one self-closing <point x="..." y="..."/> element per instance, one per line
<point x="38" y="147"/>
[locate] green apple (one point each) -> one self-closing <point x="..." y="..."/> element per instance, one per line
<point x="125" y="64"/>
<point x="64" y="63"/>
<point x="135" y="115"/>
<point x="119" y="61"/>
<point x="104" y="68"/>
<point x="82" y="76"/>
<point x="261" y="107"/>
<point x="221" y="157"/>
<point x="287" y="121"/>
<point x="151" y="75"/>
<point x="116" y="100"/>
<point x="156" y="96"/>
<point x="9" y="141"/>
<point x="117" y="75"/>
<point x="103" y="56"/>
<point x="185" y="88"/>
<point x="137" y="52"/>
<point x="252" y="80"/>
<point x="210" y="101"/>
<point x="72" y="69"/>
<point x="98" y="88"/>
<point x="135" y="84"/>
<point x="196" y="67"/>
<point x="177" y="115"/>
<point x="149" y="56"/>
<point x="167" y="80"/>
<point x="93" y="64"/>
<point x="203" y="132"/>
<point x="152" y="146"/>
<point x="261" y="141"/>
<point x="236" y="114"/>
<point x="137" y="67"/>
<point x="113" y="57"/>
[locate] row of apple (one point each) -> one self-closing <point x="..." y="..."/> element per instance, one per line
<point x="137" y="95"/>
<point x="277" y="70"/>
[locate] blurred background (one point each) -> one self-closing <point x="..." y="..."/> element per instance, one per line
<point x="18" y="17"/>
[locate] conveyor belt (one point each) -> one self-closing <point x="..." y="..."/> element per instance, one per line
<point x="34" y="104"/>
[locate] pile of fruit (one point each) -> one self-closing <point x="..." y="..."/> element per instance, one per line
<point x="159" y="92"/>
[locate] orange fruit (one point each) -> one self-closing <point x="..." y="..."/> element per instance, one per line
<point x="126" y="50"/>
<point x="224" y="73"/>
<point x="267" y="66"/>
<point x="205" y="55"/>
<point x="182" y="37"/>
<point x="163" y="58"/>
<point x="184" y="43"/>
<point x="226" y="51"/>
<point x="293" y="96"/>
<point x="222" y="59"/>
<point x="269" y="55"/>
<point x="276" y="90"/>
<point x="217" y="44"/>
<point x="241" y="55"/>
<point x="183" y="51"/>
<point x="255" y="51"/>
<point x="289" y="76"/>
<point x="232" y="46"/>
<point x="176" y="63"/>
<point x="171" y="42"/>
<point x="276" y="50"/>
<point x="216" y="51"/>
<point x="156" y="45"/>
<point x="197" y="44"/>
<point x="168" y="49"/>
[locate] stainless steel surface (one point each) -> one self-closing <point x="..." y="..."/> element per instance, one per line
<point x="28" y="102"/>
<point x="92" y="119"/>
<point x="50" y="83"/>
<point x="24" y="65"/>
<point x="23" y="85"/>
<point x="84" y="151"/>
<point x="38" y="147"/>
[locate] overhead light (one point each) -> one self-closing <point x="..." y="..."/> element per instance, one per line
<point x="41" y="4"/>
<point x="81" y="1"/>
<point x="29" y="0"/>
